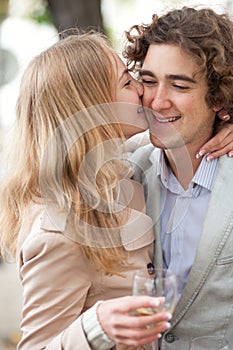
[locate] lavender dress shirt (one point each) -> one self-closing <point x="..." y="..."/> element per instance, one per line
<point x="183" y="216"/>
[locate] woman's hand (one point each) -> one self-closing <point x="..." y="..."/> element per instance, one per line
<point x="117" y="320"/>
<point x="222" y="142"/>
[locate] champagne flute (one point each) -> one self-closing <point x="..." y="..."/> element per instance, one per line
<point x="156" y="283"/>
<point x="208" y="342"/>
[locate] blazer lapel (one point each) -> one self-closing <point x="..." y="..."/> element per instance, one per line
<point x="216" y="229"/>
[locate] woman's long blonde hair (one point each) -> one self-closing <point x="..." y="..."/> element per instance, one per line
<point x="63" y="115"/>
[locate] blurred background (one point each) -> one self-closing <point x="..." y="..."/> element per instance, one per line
<point x="28" y="27"/>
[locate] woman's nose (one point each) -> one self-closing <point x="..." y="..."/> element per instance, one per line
<point x="139" y="87"/>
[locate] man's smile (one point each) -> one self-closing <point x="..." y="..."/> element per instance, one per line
<point x="161" y="119"/>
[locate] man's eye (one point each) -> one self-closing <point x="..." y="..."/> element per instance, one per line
<point x="128" y="83"/>
<point x="148" y="81"/>
<point x="181" y="87"/>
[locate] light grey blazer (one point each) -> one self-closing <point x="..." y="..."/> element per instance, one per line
<point x="206" y="305"/>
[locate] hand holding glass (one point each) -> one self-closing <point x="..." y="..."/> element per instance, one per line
<point x="156" y="283"/>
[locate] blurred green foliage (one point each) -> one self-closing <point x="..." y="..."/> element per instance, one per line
<point x="40" y="12"/>
<point x="41" y="16"/>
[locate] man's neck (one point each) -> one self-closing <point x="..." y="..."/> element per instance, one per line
<point x="183" y="164"/>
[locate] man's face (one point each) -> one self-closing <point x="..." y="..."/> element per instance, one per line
<point x="176" y="97"/>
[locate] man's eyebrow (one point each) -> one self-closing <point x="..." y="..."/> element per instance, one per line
<point x="168" y="76"/>
<point x="181" y="77"/>
<point x="146" y="72"/>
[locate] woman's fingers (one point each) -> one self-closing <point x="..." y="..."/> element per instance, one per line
<point x="220" y="144"/>
<point x="223" y="114"/>
<point x="128" y="334"/>
<point x="118" y="319"/>
<point x="130" y="303"/>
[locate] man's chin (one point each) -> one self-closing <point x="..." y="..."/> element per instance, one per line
<point x="166" y="144"/>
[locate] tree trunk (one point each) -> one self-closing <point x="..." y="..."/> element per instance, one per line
<point x="84" y="14"/>
<point x="3" y="9"/>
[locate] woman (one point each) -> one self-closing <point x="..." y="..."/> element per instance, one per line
<point x="69" y="212"/>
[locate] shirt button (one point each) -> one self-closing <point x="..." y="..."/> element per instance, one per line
<point x="170" y="338"/>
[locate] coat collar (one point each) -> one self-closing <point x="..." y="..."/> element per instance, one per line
<point x="135" y="234"/>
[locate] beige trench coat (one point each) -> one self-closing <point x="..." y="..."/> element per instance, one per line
<point x="60" y="283"/>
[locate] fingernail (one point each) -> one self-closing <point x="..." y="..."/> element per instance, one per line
<point x="209" y="158"/>
<point x="230" y="154"/>
<point x="200" y="153"/>
<point x="168" y="325"/>
<point x="169" y="315"/>
<point x="226" y="117"/>
<point x="155" y="302"/>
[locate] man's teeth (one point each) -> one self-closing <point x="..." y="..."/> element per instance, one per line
<point x="167" y="120"/>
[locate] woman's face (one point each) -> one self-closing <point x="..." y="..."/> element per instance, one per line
<point x="129" y="93"/>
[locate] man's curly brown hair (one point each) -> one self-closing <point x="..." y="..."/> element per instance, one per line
<point x="204" y="35"/>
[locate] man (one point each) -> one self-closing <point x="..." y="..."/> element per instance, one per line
<point x="185" y="62"/>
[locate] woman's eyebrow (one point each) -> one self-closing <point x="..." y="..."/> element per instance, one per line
<point x="122" y="74"/>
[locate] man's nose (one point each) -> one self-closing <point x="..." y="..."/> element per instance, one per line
<point x="160" y="100"/>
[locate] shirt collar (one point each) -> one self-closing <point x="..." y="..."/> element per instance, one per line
<point x="203" y="177"/>
<point x="205" y="173"/>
